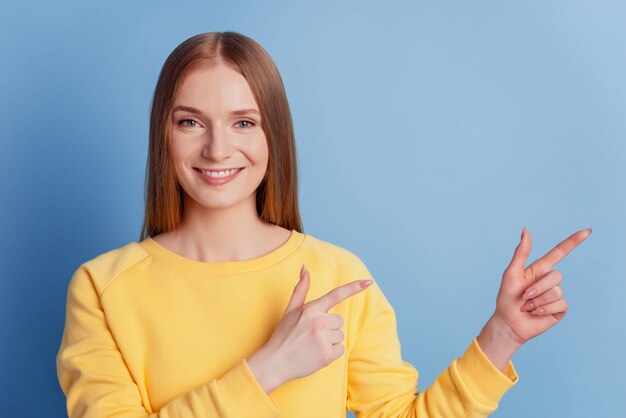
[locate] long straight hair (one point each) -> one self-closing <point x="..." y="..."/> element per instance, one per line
<point x="277" y="194"/>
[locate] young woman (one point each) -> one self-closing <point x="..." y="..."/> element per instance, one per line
<point x="226" y="308"/>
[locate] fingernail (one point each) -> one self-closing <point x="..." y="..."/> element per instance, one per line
<point x="529" y="294"/>
<point x="366" y="283"/>
<point x="522" y="236"/>
<point x="539" y="311"/>
<point x="528" y="306"/>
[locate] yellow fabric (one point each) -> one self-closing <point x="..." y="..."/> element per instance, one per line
<point x="151" y="333"/>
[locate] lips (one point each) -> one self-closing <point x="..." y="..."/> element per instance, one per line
<point x="217" y="169"/>
<point x="214" y="180"/>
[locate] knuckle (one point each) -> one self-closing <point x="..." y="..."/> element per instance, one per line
<point x="341" y="349"/>
<point x="560" y="251"/>
<point x="558" y="292"/>
<point x="327" y="355"/>
<point x="559" y="276"/>
<point x="335" y="297"/>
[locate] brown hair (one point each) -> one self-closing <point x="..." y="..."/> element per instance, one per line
<point x="277" y="195"/>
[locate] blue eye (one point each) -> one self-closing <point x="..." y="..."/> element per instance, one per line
<point x="182" y="123"/>
<point x="190" y="123"/>
<point x="247" y="121"/>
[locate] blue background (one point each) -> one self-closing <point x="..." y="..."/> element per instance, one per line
<point x="428" y="135"/>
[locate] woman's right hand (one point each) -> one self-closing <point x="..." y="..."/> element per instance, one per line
<point x="306" y="339"/>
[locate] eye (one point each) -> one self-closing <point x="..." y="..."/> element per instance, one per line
<point x="192" y="122"/>
<point x="250" y="124"/>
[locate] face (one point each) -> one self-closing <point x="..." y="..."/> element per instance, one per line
<point x="216" y="126"/>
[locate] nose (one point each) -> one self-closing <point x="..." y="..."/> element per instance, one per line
<point x="217" y="145"/>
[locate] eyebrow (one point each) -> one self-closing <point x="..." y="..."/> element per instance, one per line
<point x="240" y="112"/>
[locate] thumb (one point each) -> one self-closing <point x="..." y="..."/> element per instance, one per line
<point x="299" y="292"/>
<point x="521" y="252"/>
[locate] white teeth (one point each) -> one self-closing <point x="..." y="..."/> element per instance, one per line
<point x="219" y="174"/>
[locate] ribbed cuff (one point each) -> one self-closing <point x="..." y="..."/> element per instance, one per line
<point x="248" y="399"/>
<point x="486" y="382"/>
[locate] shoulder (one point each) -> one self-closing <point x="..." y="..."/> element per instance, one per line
<point x="100" y="271"/>
<point x="343" y="259"/>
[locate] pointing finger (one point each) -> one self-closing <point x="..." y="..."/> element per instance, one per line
<point x="339" y="294"/>
<point x="544" y="264"/>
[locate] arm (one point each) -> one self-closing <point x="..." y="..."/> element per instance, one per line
<point x="529" y="302"/>
<point x="381" y="384"/>
<point x="94" y="376"/>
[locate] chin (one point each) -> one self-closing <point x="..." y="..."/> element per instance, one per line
<point x="221" y="202"/>
<point x="216" y="204"/>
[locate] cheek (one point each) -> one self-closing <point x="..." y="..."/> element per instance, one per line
<point x="179" y="153"/>
<point x="258" y="152"/>
<point x="180" y="150"/>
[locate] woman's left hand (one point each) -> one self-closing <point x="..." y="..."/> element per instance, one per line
<point x="530" y="300"/>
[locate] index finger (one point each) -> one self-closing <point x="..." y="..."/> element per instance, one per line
<point x="544" y="264"/>
<point x="339" y="294"/>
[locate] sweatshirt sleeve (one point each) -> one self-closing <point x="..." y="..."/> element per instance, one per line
<point x="97" y="382"/>
<point x="381" y="384"/>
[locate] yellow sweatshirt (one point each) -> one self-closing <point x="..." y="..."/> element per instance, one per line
<point x="149" y="332"/>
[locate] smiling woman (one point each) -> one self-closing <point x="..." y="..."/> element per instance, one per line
<point x="213" y="79"/>
<point x="210" y="143"/>
<point x="226" y="308"/>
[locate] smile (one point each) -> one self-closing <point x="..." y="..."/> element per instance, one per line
<point x="219" y="174"/>
<point x="217" y="177"/>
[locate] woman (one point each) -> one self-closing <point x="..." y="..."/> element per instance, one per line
<point x="206" y="316"/>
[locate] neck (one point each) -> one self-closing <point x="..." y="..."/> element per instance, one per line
<point x="221" y="234"/>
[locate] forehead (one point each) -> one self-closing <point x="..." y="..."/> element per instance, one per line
<point x="215" y="87"/>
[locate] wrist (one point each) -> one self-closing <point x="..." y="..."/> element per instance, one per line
<point x="265" y="370"/>
<point x="498" y="342"/>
